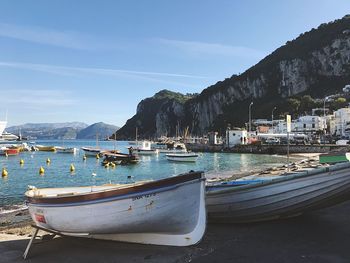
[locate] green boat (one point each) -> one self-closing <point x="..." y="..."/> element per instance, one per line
<point x="335" y="157"/>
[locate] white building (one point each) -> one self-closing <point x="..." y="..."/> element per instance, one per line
<point x="309" y="124"/>
<point x="341" y="120"/>
<point x="234" y="137"/>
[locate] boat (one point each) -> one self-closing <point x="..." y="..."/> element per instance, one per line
<point x="90" y="151"/>
<point x="169" y="211"/>
<point x="145" y="149"/>
<point x="173" y="148"/>
<point x="269" y="197"/>
<point x="45" y="148"/>
<point x="9" y="151"/>
<point x="120" y="158"/>
<point x="60" y="149"/>
<point x="334" y="157"/>
<point x="182" y="157"/>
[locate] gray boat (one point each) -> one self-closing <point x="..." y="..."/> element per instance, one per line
<point x="279" y="196"/>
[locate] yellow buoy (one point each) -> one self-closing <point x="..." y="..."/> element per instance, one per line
<point x="113" y="165"/>
<point x="41" y="170"/>
<point x="48" y="161"/>
<point x="106" y="165"/>
<point x="72" y="168"/>
<point x="4" y="172"/>
<point x="84" y="157"/>
<point x="21" y="162"/>
<point x="97" y="156"/>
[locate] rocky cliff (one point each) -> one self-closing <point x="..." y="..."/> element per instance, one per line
<point x="316" y="63"/>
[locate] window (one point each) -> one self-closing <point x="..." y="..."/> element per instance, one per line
<point x="313" y="125"/>
<point x="304" y="126"/>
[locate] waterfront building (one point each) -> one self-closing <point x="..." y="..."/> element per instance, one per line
<point x="341" y="121"/>
<point x="310" y="124"/>
<point x="236" y="137"/>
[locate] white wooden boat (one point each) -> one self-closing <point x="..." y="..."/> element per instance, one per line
<point x="170" y="211"/>
<point x="60" y="149"/>
<point x="278" y="197"/>
<point x="145" y="149"/>
<point x="182" y="157"/>
<point x="90" y="151"/>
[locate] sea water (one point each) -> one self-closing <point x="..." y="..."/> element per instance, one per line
<point x="90" y="171"/>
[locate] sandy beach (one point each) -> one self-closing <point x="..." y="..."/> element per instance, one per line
<point x="319" y="236"/>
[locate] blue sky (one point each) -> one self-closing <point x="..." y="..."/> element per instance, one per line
<point x="93" y="61"/>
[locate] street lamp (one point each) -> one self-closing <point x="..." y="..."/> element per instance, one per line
<point x="250" y="116"/>
<point x="272" y="119"/>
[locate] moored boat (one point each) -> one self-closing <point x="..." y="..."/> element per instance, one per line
<point x="145" y="149"/>
<point x="45" y="148"/>
<point x="9" y="151"/>
<point x="120" y="158"/>
<point x="60" y="149"/>
<point x="170" y="211"/>
<point x="265" y="198"/>
<point x="182" y="157"/>
<point x="90" y="151"/>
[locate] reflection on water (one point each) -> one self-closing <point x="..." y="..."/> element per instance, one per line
<point x="91" y="172"/>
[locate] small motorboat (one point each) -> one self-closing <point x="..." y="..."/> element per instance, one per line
<point x="173" y="148"/>
<point x="9" y="151"/>
<point x="71" y="150"/>
<point x="45" y="148"/>
<point x="146" y="149"/>
<point x="90" y="151"/>
<point x="267" y="197"/>
<point x="169" y="211"/>
<point x="182" y="157"/>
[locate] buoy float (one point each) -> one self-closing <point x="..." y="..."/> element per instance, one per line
<point x="48" y="161"/>
<point x="106" y="165"/>
<point x="97" y="156"/>
<point x="84" y="158"/>
<point x="113" y="165"/>
<point x="4" y="172"/>
<point x="93" y="174"/>
<point x="41" y="170"/>
<point x="72" y="168"/>
<point x="21" y="162"/>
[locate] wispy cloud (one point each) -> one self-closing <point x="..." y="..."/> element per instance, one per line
<point x="66" y="39"/>
<point x="64" y="70"/>
<point x="38" y="98"/>
<point x="200" y="48"/>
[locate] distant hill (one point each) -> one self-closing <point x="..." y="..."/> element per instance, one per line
<point x="101" y="129"/>
<point x="66" y="130"/>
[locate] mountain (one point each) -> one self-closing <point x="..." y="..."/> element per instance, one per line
<point x="66" y="130"/>
<point x="156" y="116"/>
<point x="317" y="63"/>
<point x="101" y="129"/>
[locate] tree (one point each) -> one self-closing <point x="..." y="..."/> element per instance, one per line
<point x="306" y="103"/>
<point x="293" y="105"/>
<point x="339" y="103"/>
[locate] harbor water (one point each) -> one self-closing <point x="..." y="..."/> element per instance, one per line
<point x="90" y="171"/>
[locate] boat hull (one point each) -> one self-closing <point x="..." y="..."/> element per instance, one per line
<point x="66" y="150"/>
<point x="46" y="148"/>
<point x="280" y="199"/>
<point x="91" y="151"/>
<point x="146" y="152"/>
<point x="182" y="157"/>
<point x="147" y="217"/>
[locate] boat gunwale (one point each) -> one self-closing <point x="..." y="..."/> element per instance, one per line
<point x="103" y="194"/>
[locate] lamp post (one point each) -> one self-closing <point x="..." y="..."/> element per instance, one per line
<point x="272" y="119"/>
<point x="250" y="116"/>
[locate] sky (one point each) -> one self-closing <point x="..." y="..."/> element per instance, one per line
<point x="95" y="60"/>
